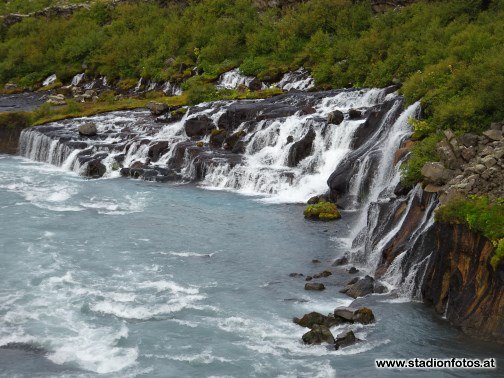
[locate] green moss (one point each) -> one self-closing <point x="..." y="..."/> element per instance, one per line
<point x="322" y="211"/>
<point x="481" y="215"/>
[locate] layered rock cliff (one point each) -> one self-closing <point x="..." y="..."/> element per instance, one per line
<point x="460" y="283"/>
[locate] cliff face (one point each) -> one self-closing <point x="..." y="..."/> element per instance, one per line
<point x="461" y="285"/>
<point x="9" y="138"/>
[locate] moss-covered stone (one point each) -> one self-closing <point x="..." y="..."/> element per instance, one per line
<point x="324" y="211"/>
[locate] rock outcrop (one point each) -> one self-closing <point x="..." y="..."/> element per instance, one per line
<point x="469" y="164"/>
<point x="460" y="283"/>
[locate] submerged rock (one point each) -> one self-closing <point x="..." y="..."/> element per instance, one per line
<point x="314" y="286"/>
<point x="341" y="261"/>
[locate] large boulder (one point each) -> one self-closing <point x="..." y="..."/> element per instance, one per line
<point x="319" y="334"/>
<point x="435" y="173"/>
<point x="88" y="129"/>
<point x="345" y="339"/>
<point x="157" y="108"/>
<point x="301" y="149"/>
<point x="314" y="286"/>
<point x="335" y="117"/>
<point x="362" y="315"/>
<point x="198" y="126"/>
<point x="313" y="318"/>
<point x="361" y="288"/>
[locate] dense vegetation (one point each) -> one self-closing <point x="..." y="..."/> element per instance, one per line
<point x="28" y="6"/>
<point x="482" y="216"/>
<point x="448" y="54"/>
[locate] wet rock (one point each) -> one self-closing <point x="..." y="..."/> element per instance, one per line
<point x="345" y="313"/>
<point x="217" y="137"/>
<point x="341" y="261"/>
<point x="354" y="114"/>
<point x="353" y="270"/>
<point x="364" y="316"/>
<point x="301" y="149"/>
<point x="345" y="339"/>
<point x="313" y="318"/>
<point x="239" y="148"/>
<point x="323" y="274"/>
<point x="315" y="261"/>
<point x="290" y="139"/>
<point x="231" y="141"/>
<point x="335" y="117"/>
<point x="319" y="334"/>
<point x="314" y="286"/>
<point x="157" y="150"/>
<point x="94" y="169"/>
<point x="198" y="126"/>
<point x="353" y="280"/>
<point x="308" y="278"/>
<point x="361" y="288"/>
<point x="296" y="275"/>
<point x="88" y="129"/>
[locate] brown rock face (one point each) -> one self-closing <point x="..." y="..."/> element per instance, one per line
<point x="460" y="283"/>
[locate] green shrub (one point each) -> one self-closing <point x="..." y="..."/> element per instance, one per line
<point x="422" y="152"/>
<point x="322" y="211"/>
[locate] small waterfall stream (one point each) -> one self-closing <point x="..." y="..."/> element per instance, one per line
<point x="288" y="152"/>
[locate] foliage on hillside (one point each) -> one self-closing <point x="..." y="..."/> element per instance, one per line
<point x="446" y="53"/>
<point x="482" y="216"/>
<point x="28" y="6"/>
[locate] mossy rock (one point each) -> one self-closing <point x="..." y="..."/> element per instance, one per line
<point x="324" y="211"/>
<point x="200" y="143"/>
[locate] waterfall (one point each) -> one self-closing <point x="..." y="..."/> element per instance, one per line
<point x="77" y="79"/>
<point x="283" y="149"/>
<point x="234" y="78"/>
<point x="299" y="80"/>
<point x="49" y="80"/>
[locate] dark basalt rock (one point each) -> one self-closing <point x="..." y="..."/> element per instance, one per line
<point x="157" y="150"/>
<point x="323" y="274"/>
<point x="296" y="275"/>
<point x="198" y="126"/>
<point x="301" y="149"/>
<point x="319" y="334"/>
<point x="313" y="318"/>
<point x="94" y="169"/>
<point x="217" y="137"/>
<point x="345" y="339"/>
<point x="341" y="261"/>
<point x="361" y="288"/>
<point x="335" y="117"/>
<point x="314" y="286"/>
<point x="353" y="270"/>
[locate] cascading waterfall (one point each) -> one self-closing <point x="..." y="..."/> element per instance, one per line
<point x="289" y="150"/>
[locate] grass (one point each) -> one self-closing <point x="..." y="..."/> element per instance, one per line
<point x="482" y="216"/>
